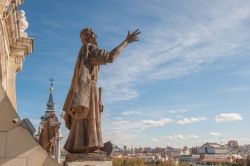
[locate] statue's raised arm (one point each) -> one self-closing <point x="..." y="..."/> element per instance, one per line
<point x="99" y="56"/>
<point x="131" y="37"/>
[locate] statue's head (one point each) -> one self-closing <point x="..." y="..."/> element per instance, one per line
<point x="88" y="36"/>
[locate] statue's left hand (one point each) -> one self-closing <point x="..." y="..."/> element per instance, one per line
<point x="134" y="36"/>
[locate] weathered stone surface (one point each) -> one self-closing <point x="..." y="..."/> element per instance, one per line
<point x="3" y="138"/>
<point x="96" y="156"/>
<point x="19" y="161"/>
<point x="90" y="163"/>
<point x="7" y="112"/>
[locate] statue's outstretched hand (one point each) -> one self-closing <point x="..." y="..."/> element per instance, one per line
<point x="131" y="37"/>
<point x="134" y="36"/>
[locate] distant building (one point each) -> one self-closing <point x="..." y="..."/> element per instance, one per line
<point x="158" y="150"/>
<point x="116" y="148"/>
<point x="185" y="148"/>
<point x="164" y="156"/>
<point x="138" y="150"/>
<point x="216" y="154"/>
<point x="219" y="159"/>
<point x="207" y="162"/>
<point x="147" y="149"/>
<point x="194" y="150"/>
<point x="244" y="150"/>
<point x="213" y="148"/>
<point x="185" y="151"/>
<point x="188" y="159"/>
<point x="233" y="146"/>
<point x="173" y="153"/>
<point x="154" y="158"/>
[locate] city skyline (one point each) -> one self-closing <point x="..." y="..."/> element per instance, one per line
<point x="186" y="82"/>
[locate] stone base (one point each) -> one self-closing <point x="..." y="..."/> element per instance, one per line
<point x="89" y="163"/>
<point x="82" y="157"/>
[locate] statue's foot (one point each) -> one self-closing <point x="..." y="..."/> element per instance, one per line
<point x="93" y="149"/>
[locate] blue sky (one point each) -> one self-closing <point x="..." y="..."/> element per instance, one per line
<point x="186" y="82"/>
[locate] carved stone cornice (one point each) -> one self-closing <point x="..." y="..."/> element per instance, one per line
<point x="24" y="47"/>
<point x="26" y="44"/>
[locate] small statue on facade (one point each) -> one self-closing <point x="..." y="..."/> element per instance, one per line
<point x="49" y="132"/>
<point x="82" y="107"/>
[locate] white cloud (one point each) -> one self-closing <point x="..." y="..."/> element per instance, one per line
<point x="215" y="134"/>
<point x="237" y="89"/>
<point x="118" y="118"/>
<point x="243" y="140"/>
<point x="228" y="117"/>
<point x="127" y="126"/>
<point x="136" y="130"/>
<point x="156" y="123"/>
<point x="180" y="137"/>
<point x="244" y="73"/>
<point x="129" y="113"/>
<point x="154" y="140"/>
<point x="190" y="120"/>
<point x="119" y="138"/>
<point x="118" y="123"/>
<point x="133" y="128"/>
<point x="122" y="131"/>
<point x="193" y="136"/>
<point x="175" y="137"/>
<point x="176" y="111"/>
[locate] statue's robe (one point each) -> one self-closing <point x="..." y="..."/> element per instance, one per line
<point x="81" y="108"/>
<point x="49" y="134"/>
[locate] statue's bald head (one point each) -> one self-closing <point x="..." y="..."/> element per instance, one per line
<point x="86" y="31"/>
<point x="87" y="35"/>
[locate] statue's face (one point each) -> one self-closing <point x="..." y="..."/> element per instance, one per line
<point x="88" y="38"/>
<point x="83" y="38"/>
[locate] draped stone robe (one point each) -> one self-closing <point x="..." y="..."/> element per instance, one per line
<point x="82" y="115"/>
<point x="49" y="133"/>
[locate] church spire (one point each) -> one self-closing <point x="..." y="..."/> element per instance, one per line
<point x="50" y="104"/>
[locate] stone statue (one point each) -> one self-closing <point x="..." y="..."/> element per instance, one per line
<point x="49" y="132"/>
<point x="82" y="107"/>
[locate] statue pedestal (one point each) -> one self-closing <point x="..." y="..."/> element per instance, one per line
<point x="89" y="163"/>
<point x="99" y="158"/>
